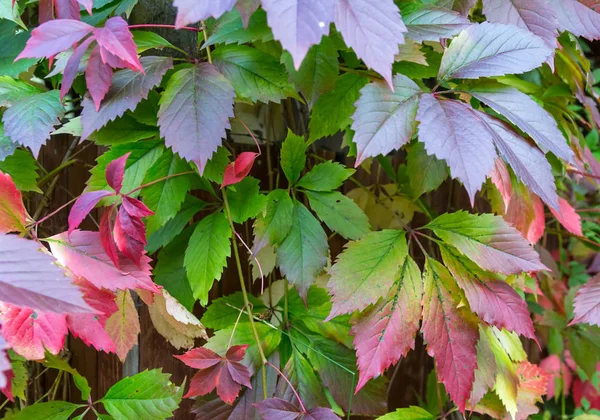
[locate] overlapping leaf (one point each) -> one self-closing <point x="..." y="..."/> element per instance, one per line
<point x="587" y="302"/>
<point x="433" y="23"/>
<point x="123" y="326"/>
<point x="12" y="211"/>
<point x="577" y="18"/>
<point x="192" y="11"/>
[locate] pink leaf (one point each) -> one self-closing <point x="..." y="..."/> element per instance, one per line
<point x="116" y="38"/>
<point x="587" y="303"/>
<point x="501" y="179"/>
<point x="238" y="170"/>
<point x="568" y="217"/>
<point x="135" y="208"/>
<point x="557" y="371"/>
<point x="192" y="11"/>
<point x="130" y="236"/>
<point x="30" y="277"/>
<point x="12" y="211"/>
<point x="67" y="9"/>
<point x="526" y="213"/>
<point x="85" y="203"/>
<point x="115" y="171"/>
<point x="88" y="4"/>
<point x="97" y="77"/>
<point x="70" y="72"/>
<point x="106" y="236"/>
<point x="123" y="326"/>
<point x="53" y="37"/>
<point x="83" y="253"/>
<point x="373" y="29"/>
<point x="30" y="333"/>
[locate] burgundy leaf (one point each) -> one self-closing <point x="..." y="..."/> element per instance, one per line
<point x="320" y="413"/>
<point x="115" y="37"/>
<point x="278" y="409"/>
<point x="384" y="120"/>
<point x="192" y="11"/>
<point x="495" y="301"/>
<point x="238" y="170"/>
<point x="12" y="211"/>
<point x="115" y="171"/>
<point x="130" y="236"/>
<point x="97" y="77"/>
<point x="387" y="331"/>
<point x="246" y="9"/>
<point x="67" y="9"/>
<point x="568" y="217"/>
<point x="54" y="36"/>
<point x="30" y="277"/>
<point x="128" y="88"/>
<point x="452" y="131"/>
<point x="226" y="374"/>
<point x="587" y="302"/>
<point x="84" y="204"/>
<point x="135" y="208"/>
<point x="106" y="236"/>
<point x="198" y="101"/>
<point x="83" y="253"/>
<point x="373" y="28"/>
<point x="70" y="71"/>
<point x="45" y="11"/>
<point x="299" y="24"/>
<point x="577" y="18"/>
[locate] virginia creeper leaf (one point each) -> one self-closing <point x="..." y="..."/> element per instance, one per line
<point x="410" y="413"/>
<point x="577" y="18"/>
<point x="526" y="213"/>
<point x="587" y="302"/>
<point x="72" y="67"/>
<point x="130" y="235"/>
<point x="433" y="23"/>
<point x="385" y="120"/>
<point x="97" y="77"/>
<point x="115" y="171"/>
<point x="230" y="29"/>
<point x="12" y="42"/>
<point x="568" y="217"/>
<point x="325" y="176"/>
<point x="13" y="90"/>
<point x="461" y="6"/>
<point x="53" y="410"/>
<point x="426" y="171"/>
<point x="277" y="218"/>
<point x="54" y="36"/>
<point x="304" y="378"/>
<point x="23" y="168"/>
<point x="192" y="11"/>
<point x="116" y="39"/>
<point x="339" y="213"/>
<point x="123" y="326"/>
<point x="246" y="9"/>
<point x="12" y="211"/>
<point x="198" y="101"/>
<point x="293" y="156"/>
<point x="237" y="170"/>
<point x="277" y="408"/>
<point x="366" y="271"/>
<point x="246" y="201"/>
<point x="84" y="204"/>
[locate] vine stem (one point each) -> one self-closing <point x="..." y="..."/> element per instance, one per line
<point x="291" y="386"/>
<point x="247" y="304"/>
<point x="573" y="171"/>
<point x="43" y="219"/>
<point x="251" y="135"/>
<point x="262" y="276"/>
<point x="156" y="181"/>
<point x="208" y="53"/>
<point x="157" y="25"/>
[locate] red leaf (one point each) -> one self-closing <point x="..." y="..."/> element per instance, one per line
<point x="85" y="204"/>
<point x="106" y="236"/>
<point x="70" y="72"/>
<point x="238" y="170"/>
<point x="568" y="217"/>
<point x="130" y="235"/>
<point x="97" y="77"/>
<point x="116" y="39"/>
<point x="533" y="382"/>
<point x="226" y="374"/>
<point x="557" y="370"/>
<point x="12" y="211"/>
<point x="29" y="332"/>
<point x="115" y="171"/>
<point x="526" y="213"/>
<point x="55" y="36"/>
<point x="135" y="208"/>
<point x="83" y="253"/>
<point x="67" y="9"/>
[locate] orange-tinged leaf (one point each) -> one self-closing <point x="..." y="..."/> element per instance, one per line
<point x="568" y="217"/>
<point x="123" y="326"/>
<point x="12" y="211"/>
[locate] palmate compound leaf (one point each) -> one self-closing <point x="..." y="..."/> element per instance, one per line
<point x="433" y="23"/>
<point x="299" y="24"/>
<point x="385" y="120"/>
<point x="386" y="332"/>
<point x="494" y="300"/>
<point x="30" y="278"/>
<point x="192" y="11"/>
<point x="450" y="332"/>
<point x="577" y="18"/>
<point x="493" y="49"/>
<point x="12" y="211"/>
<point x="373" y="29"/>
<point x="366" y="271"/>
<point x="489" y="241"/>
<point x="198" y="101"/>
<point x="127" y="89"/>
<point x="147" y="395"/>
<point x="587" y="302"/>
<point x="452" y="131"/>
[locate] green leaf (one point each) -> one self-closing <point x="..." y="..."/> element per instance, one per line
<point x="230" y="30"/>
<point x="366" y="270"/>
<point x="145" y="40"/>
<point x="23" y="169"/>
<point x="225" y="311"/>
<point x="166" y="197"/>
<point x="7" y="11"/>
<point x="304" y="252"/>
<point x="147" y="395"/>
<point x="12" y="90"/>
<point x="207" y="253"/>
<point x="174" y="226"/>
<point x="255" y="75"/>
<point x="21" y="378"/>
<point x="245" y="200"/>
<point x="170" y="272"/>
<point x="53" y="410"/>
<point x="7" y="146"/>
<point x="332" y="111"/>
<point x="410" y="413"/>
<point x="55" y="362"/>
<point x="293" y="156"/>
<point x="318" y="72"/>
<point x="277" y="219"/>
<point x="326" y="176"/>
<point x="143" y="156"/>
<point x="585" y="349"/>
<point x="11" y="45"/>
<point x="340" y="213"/>
<point x="125" y="129"/>
<point x="215" y="167"/>
<point x="302" y="375"/>
<point x="426" y="173"/>
<point x="72" y="127"/>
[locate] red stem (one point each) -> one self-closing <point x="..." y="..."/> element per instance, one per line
<point x="164" y="178"/>
<point x="290" y="384"/>
<point x="43" y="219"/>
<point x="156" y="25"/>
<point x="251" y="135"/>
<point x="572" y="171"/>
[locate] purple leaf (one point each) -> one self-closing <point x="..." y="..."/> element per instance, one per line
<point x="385" y="120"/>
<point x="527" y="161"/>
<point x="29" y="277"/>
<point x="526" y="114"/>
<point x="278" y="409"/>
<point x="299" y="24"/>
<point x="70" y="71"/>
<point x="115" y="171"/>
<point x="97" y="77"/>
<point x="66" y="9"/>
<point x="198" y="101"/>
<point x="320" y="414"/>
<point x="373" y="28"/>
<point x="433" y="24"/>
<point x="84" y="204"/>
<point x="577" y="18"/>
<point x="116" y="38"/>
<point x="128" y="88"/>
<point x="54" y="36"/>
<point x="192" y="11"/>
<point x="246" y="9"/>
<point x="452" y="131"/>
<point x="493" y="49"/>
<point x="587" y="302"/>
<point x="461" y="6"/>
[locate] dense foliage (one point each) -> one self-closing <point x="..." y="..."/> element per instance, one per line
<point x="495" y="99"/>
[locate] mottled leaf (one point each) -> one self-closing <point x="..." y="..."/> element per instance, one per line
<point x="12" y="210"/>
<point x="123" y="326"/>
